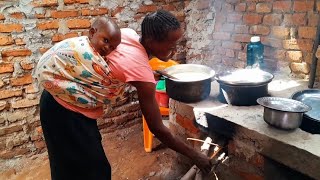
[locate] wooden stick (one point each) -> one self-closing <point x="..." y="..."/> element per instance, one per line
<point x="194" y="139"/>
<point x="215" y="153"/>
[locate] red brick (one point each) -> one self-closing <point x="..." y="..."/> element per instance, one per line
<point x="60" y="37"/>
<point x="30" y="89"/>
<point x="272" y="19"/>
<point x="241" y="7"/>
<point x="48" y="25"/>
<point x="217" y="5"/>
<point x="308" y="58"/>
<point x="234" y="17"/>
<point x="279" y="55"/>
<point x="39" y="144"/>
<point x="318" y="52"/>
<point x="9" y="93"/>
<point x="116" y="11"/>
<point x="231" y="147"/>
<point x="78" y="23"/>
<point x="228" y="61"/>
<point x="180" y="16"/>
<point x="6" y="67"/>
<point x="43" y="50"/>
<point x="227" y="8"/>
<point x="17" y="15"/>
<point x="242" y="56"/>
<point x="232" y="45"/>
<point x="85" y="33"/>
<point x="259" y="30"/>
<point x="221" y="17"/>
<point x="251" y="7"/>
<point x="313" y="19"/>
<point x="169" y="7"/>
<point x="26" y="65"/>
<point x="248" y="175"/>
<point x="19" y="41"/>
<point x="148" y="8"/>
<point x="40" y="16"/>
<point x="2" y="17"/>
<point x="26" y="79"/>
<point x="294" y="56"/>
<point x="241" y="37"/>
<point x="64" y="14"/>
<point x="16" y="52"/>
<point x="300" y="68"/>
<point x="272" y="52"/>
<point x="298" y="19"/>
<point x="10" y="129"/>
<point x="220" y="50"/>
<point x="39" y="130"/>
<point x="263" y="8"/>
<point x="221" y="36"/>
<point x="11" y="28"/>
<point x="76" y="1"/>
<point x="15" y="152"/>
<point x="280" y="32"/>
<point x="241" y="29"/>
<point x="276" y="43"/>
<point x="45" y="3"/>
<point x="252" y="19"/>
<point x="230" y="53"/>
<point x="204" y="4"/>
<point x="186" y="123"/>
<point x="95" y="12"/>
<point x="298" y="44"/>
<point x="282" y="6"/>
<point x="307" y="32"/>
<point x="303" y="6"/>
<point x="6" y="40"/>
<point x="228" y="28"/>
<point x="23" y="103"/>
<point x="257" y="160"/>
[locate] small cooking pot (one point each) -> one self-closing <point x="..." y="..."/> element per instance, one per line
<point x="283" y="113"/>
<point x="192" y="82"/>
<point x="243" y="87"/>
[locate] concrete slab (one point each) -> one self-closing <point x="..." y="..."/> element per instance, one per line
<point x="296" y="149"/>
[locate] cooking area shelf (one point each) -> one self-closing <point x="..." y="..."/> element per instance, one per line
<point x="248" y="121"/>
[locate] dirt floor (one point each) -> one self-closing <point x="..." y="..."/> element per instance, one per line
<point x="124" y="149"/>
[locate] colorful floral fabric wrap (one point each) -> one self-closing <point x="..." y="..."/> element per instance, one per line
<point x="75" y="73"/>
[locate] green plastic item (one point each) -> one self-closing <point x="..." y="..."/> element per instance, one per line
<point x="161" y="85"/>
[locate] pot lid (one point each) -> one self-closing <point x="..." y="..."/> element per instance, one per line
<point x="247" y="77"/>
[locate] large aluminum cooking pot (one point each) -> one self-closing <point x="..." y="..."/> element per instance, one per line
<point x="192" y="83"/>
<point x="283" y="113"/>
<point x="243" y="87"/>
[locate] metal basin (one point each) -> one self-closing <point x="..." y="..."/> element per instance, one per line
<point x="283" y="113"/>
<point x="311" y="119"/>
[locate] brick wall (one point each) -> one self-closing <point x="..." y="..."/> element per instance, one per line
<point x="219" y="30"/>
<point x="30" y="27"/>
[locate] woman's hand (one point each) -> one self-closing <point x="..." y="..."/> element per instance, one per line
<point x="202" y="162"/>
